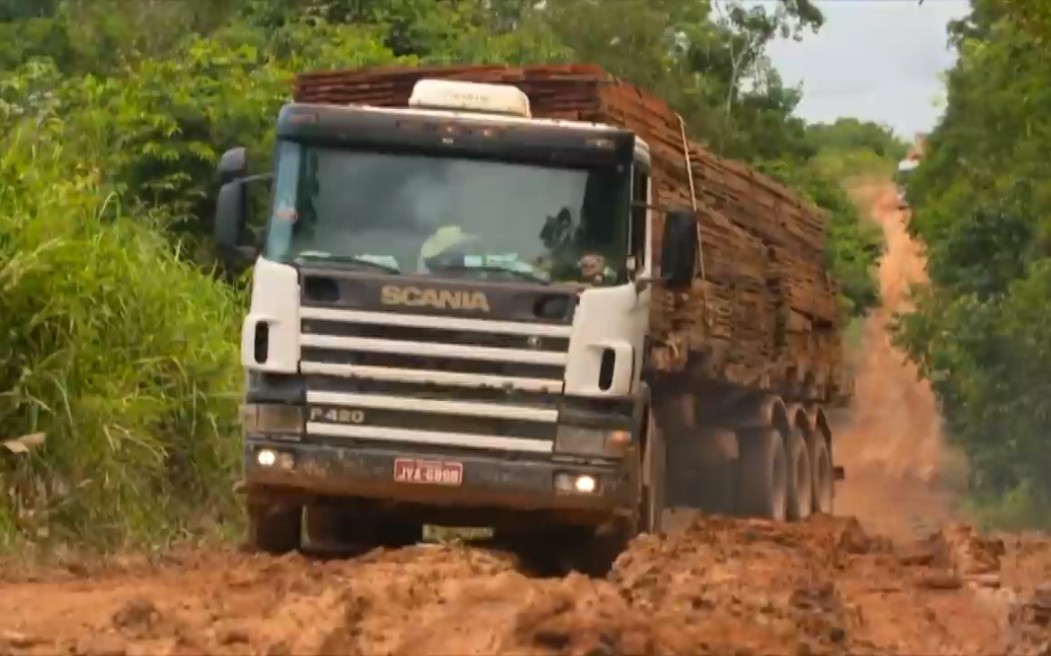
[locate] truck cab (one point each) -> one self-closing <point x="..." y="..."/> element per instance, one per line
<point x="448" y="323"/>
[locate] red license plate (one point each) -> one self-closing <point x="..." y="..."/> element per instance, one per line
<point x="428" y="472"/>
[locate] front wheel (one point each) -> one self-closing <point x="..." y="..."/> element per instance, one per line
<point x="274" y="529"/>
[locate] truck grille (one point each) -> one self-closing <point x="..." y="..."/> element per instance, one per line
<point x="441" y="381"/>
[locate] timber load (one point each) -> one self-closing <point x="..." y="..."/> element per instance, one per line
<point x="763" y="311"/>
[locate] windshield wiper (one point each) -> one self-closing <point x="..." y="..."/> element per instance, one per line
<point x="353" y="260"/>
<point x="518" y="273"/>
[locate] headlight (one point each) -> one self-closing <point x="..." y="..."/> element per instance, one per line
<point x="273" y="418"/>
<point x="598" y="442"/>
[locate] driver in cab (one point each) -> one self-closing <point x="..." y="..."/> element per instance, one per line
<point x="449" y="246"/>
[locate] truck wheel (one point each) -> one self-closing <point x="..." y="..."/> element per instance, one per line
<point x="821" y="470"/>
<point x="763" y="474"/>
<point x="595" y="554"/>
<point x="274" y="529"/>
<point x="654" y="492"/>
<point x="800" y="480"/>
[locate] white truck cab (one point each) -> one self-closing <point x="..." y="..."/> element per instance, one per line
<point x="448" y="319"/>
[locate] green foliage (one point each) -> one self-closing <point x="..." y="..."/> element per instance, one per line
<point x="123" y="355"/>
<point x="983" y="202"/>
<point x="851" y="135"/>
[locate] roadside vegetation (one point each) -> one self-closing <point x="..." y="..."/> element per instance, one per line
<point x="120" y="369"/>
<point x="982" y="205"/>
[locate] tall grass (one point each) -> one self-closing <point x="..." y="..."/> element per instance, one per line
<point x="123" y="355"/>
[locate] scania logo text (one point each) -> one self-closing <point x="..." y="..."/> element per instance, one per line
<point x="442" y="299"/>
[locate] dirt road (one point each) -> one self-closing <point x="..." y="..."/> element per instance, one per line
<point x="900" y="470"/>
<point x="718" y="587"/>
<point x="715" y="586"/>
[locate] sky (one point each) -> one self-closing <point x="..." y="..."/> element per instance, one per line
<point x="878" y="60"/>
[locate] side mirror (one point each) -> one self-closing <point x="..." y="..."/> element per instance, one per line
<point x="233" y="164"/>
<point x="230" y="215"/>
<point x="679" y="248"/>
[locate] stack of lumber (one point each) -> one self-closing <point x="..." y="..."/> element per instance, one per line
<point x="764" y="312"/>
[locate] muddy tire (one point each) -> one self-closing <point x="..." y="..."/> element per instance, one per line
<point x="654" y="489"/>
<point x="763" y="475"/>
<point x="274" y="529"/>
<point x="600" y="551"/>
<point x="822" y="474"/>
<point x="800" y="480"/>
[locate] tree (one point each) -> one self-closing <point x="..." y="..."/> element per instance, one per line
<point x="982" y="199"/>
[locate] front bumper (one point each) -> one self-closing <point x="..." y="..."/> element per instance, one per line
<point x="489" y="481"/>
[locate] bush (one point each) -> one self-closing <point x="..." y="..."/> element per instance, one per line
<point x="123" y="355"/>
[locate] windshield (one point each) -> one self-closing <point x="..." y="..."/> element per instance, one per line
<point x="415" y="213"/>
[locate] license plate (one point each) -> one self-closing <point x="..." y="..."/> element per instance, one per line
<point x="428" y="472"/>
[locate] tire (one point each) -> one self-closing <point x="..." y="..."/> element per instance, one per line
<point x="599" y="551"/>
<point x="822" y="475"/>
<point x="800" y="480"/>
<point x="654" y="490"/>
<point x="274" y="529"/>
<point x="763" y="475"/>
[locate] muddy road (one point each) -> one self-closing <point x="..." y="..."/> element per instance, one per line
<point x="901" y="473"/>
<point x="709" y="586"/>
<point x="715" y="587"/>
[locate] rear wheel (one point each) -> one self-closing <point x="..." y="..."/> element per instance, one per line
<point x="274" y="528"/>
<point x="800" y="481"/>
<point x="822" y="474"/>
<point x="763" y="474"/>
